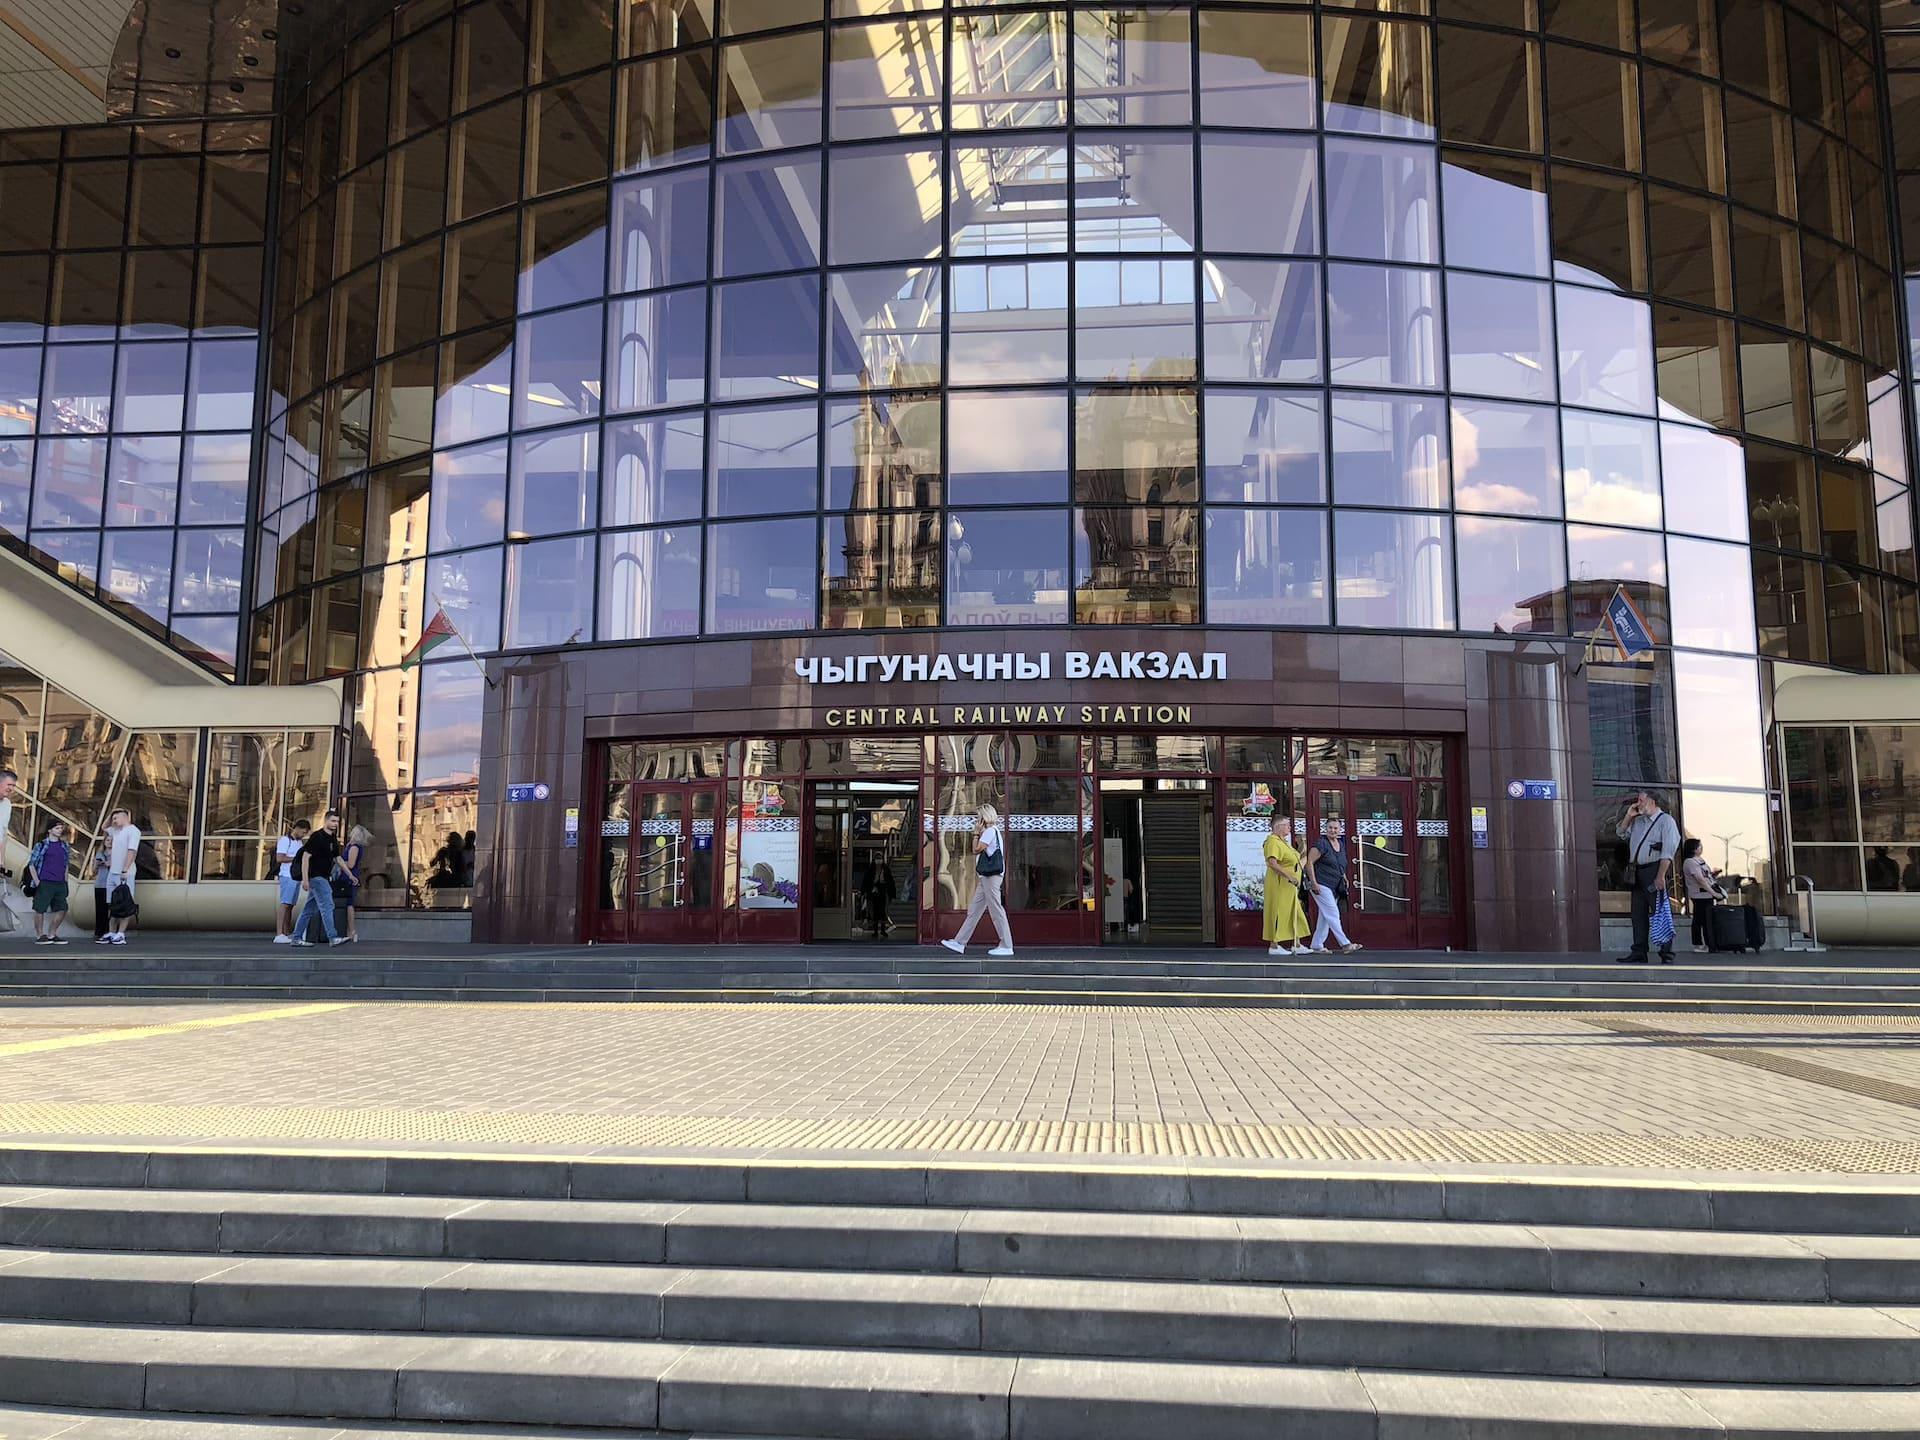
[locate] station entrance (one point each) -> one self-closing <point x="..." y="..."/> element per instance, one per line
<point x="1111" y="839"/>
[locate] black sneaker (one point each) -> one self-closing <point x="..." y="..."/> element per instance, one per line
<point x="1630" y="960"/>
<point x="55" y="940"/>
<point x="43" y="940"/>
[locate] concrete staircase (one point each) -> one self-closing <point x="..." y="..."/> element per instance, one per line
<point x="1829" y="983"/>
<point x="921" y="1302"/>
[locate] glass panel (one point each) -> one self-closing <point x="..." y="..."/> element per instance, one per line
<point x="1260" y="194"/>
<point x="136" y="569"/>
<point x="666" y="110"/>
<point x="476" y="375"/>
<point x="766" y="337"/>
<point x="469" y="502"/>
<point x="887" y="77"/>
<point x="1007" y="567"/>
<point x="1606" y="350"/>
<point x="767" y="215"/>
<point x="1500" y="337"/>
<point x="1380" y="201"/>
<point x="69" y="481"/>
<point x="885" y="328"/>
<point x="649" y="584"/>
<point x="1267" y="567"/>
<point x="1262" y="320"/>
<point x="546" y="603"/>
<point x="1506" y="458"/>
<point x="467" y="588"/>
<point x="157" y="783"/>
<point x="960" y="798"/>
<point x="885" y="204"/>
<point x="243" y="782"/>
<point x="1596" y="106"/>
<point x="1889" y="806"/>
<point x="1382" y="852"/>
<point x="566" y="251"/>
<point x="657" y="350"/>
<point x="1389" y="451"/>
<point x="1820" y="787"/>
<point x="1378" y="76"/>
<point x="483" y="162"/>
<point x="761" y="576"/>
<point x="1599" y="229"/>
<point x="1717" y="701"/>
<point x="1137" y="446"/>
<point x="1007" y="448"/>
<point x="1513" y="577"/>
<point x="143" y="478"/>
<point x="1043" y="843"/>
<point x="150" y="393"/>
<point x="1492" y="84"/>
<point x="1007" y="322"/>
<point x="1132" y="67"/>
<point x="1695" y="356"/>
<point x="1134" y="318"/>
<point x="1383" y="326"/>
<point x="558" y="357"/>
<point x="881" y="570"/>
<point x="1496" y="213"/>
<point x="1393" y="571"/>
<point x="771" y="93"/>
<point x="1436" y="853"/>
<point x="1773" y="382"/>
<point x="1265" y="446"/>
<point x="1136" y="566"/>
<point x="555" y="482"/>
<point x="77" y="394"/>
<point x="660" y="231"/>
<point x="1734" y="832"/>
<point x="1612" y="469"/>
<point x="1601" y="561"/>
<point x="1712" y="595"/>
<point x="569" y="134"/>
<point x="659" y="850"/>
<point x="1705" y="482"/>
<point x="1009" y="70"/>
<point x="1256" y="69"/>
<point x="765" y="460"/>
<point x="883" y="452"/>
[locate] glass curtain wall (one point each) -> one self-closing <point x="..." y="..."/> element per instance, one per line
<point x="779" y="319"/>
<point x="131" y="269"/>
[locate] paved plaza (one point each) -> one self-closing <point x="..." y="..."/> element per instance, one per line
<point x="1789" y="1094"/>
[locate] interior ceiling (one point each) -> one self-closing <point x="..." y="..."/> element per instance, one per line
<point x="55" y="56"/>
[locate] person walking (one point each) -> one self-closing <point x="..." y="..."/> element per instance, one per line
<point x="882" y="889"/>
<point x="319" y="858"/>
<point x="1283" y="919"/>
<point x="358" y="839"/>
<point x="123" y="854"/>
<point x="48" y="867"/>
<point x="286" y="854"/>
<point x="989" y="869"/>
<point x="1327" y="863"/>
<point x="1703" y="892"/>
<point x="1653" y="841"/>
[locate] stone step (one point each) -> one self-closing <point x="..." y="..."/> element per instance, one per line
<point x="849" y="1392"/>
<point x="1576" y="1336"/>
<point x="1831" y="1206"/>
<point x="1801" y="1001"/>
<point x="1447" y="1255"/>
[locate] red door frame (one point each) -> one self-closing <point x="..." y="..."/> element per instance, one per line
<point x="1375" y="930"/>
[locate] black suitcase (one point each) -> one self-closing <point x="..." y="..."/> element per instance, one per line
<point x="1736" y="928"/>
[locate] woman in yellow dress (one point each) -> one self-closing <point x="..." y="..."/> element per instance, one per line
<point x="1284" y="919"/>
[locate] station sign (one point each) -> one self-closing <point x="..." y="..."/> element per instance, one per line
<point x="1011" y="665"/>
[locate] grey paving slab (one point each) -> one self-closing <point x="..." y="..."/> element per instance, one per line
<point x="803" y="1236"/>
<point x="318" y="1293"/>
<point x="538" y="1299"/>
<point x="1367" y="1252"/>
<point x="940" y="1312"/>
<point x="1144" y="1319"/>
<point x="269" y="1373"/>
<point x="1775" y="1344"/>
<point x="1039" y="1242"/>
<point x="535" y="1381"/>
<point x="1445" y="1330"/>
<point x="1757" y="1413"/>
<point x="1685" y="1264"/>
<point x="543" y="1230"/>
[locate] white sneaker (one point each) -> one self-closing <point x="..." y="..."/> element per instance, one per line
<point x="117" y="939"/>
<point x="1350" y="947"/>
<point x="1001" y="950"/>
<point x="283" y="939"/>
<point x="339" y="940"/>
<point x="955" y="946"/>
<point x="1278" y="950"/>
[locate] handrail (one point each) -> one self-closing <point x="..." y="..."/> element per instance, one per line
<point x="1812" y="945"/>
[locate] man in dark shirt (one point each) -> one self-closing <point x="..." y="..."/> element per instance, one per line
<point x="319" y="857"/>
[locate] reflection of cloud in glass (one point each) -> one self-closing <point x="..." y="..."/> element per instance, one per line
<point x="1614" y="497"/>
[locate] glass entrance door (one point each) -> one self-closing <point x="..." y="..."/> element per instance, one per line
<point x="659" y="864"/>
<point x="1157" y="862"/>
<point x="1374" y="818"/>
<point x="866" y="837"/>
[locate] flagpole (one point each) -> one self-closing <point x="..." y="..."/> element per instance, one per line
<point x="441" y="606"/>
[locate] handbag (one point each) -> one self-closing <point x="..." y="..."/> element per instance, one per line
<point x="342" y="887"/>
<point x="991" y="862"/>
<point x="1660" y="923"/>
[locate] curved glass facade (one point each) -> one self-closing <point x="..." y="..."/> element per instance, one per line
<point x="635" y="322"/>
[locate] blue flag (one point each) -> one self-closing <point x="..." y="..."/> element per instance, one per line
<point x="1630" y="630"/>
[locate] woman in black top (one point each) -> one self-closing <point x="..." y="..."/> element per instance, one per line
<point x="1327" y="861"/>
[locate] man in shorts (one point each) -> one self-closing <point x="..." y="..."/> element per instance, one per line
<point x="287" y="853"/>
<point x="123" y="850"/>
<point x="52" y="856"/>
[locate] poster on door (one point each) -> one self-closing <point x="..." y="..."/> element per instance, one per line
<point x="769" y="852"/>
<point x="1246" y="847"/>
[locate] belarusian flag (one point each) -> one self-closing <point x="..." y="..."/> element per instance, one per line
<point x="439" y="630"/>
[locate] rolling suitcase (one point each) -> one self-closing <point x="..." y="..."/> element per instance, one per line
<point x="1736" y="928"/>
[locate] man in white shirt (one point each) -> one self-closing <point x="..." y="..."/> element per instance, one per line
<point x="286" y="855"/>
<point x="7" y="781"/>
<point x="1653" y="849"/>
<point x="123" y="851"/>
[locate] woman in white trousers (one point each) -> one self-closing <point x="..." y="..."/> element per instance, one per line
<point x="990" y="868"/>
<point x="1327" y="863"/>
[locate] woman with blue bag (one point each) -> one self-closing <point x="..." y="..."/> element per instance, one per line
<point x="989" y="870"/>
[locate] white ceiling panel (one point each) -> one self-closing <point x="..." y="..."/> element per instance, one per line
<point x="54" y="59"/>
